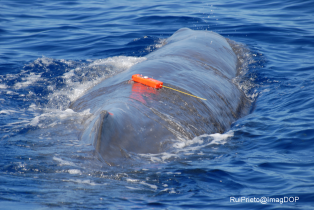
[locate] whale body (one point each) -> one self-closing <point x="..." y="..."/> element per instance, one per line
<point x="130" y="117"/>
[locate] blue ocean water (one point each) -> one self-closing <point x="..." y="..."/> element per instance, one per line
<point x="51" y="52"/>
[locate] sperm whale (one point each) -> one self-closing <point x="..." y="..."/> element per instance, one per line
<point x="129" y="117"/>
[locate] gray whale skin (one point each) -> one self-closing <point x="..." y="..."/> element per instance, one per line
<point x="131" y="118"/>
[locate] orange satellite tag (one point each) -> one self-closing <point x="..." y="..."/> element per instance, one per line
<point x="147" y="81"/>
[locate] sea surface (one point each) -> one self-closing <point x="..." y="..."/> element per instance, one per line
<point x="51" y="52"/>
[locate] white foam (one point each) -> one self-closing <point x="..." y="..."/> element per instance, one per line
<point x="149" y="185"/>
<point x="198" y="141"/>
<point x="132" y="188"/>
<point x="166" y="156"/>
<point x="188" y="147"/>
<point x="181" y="144"/>
<point x="63" y="162"/>
<point x="74" y="171"/>
<point x="172" y="191"/>
<point x="132" y="180"/>
<point x="86" y="181"/>
<point x="69" y="74"/>
<point x="9" y="92"/>
<point x="221" y="138"/>
<point x="141" y="182"/>
<point x="155" y="159"/>
<point x="109" y="67"/>
<point x="118" y="62"/>
<point x="173" y="172"/>
<point x="55" y="117"/>
<point x="20" y="122"/>
<point x="32" y="106"/>
<point x="9" y="111"/>
<point x="53" y="124"/>
<point x="35" y="121"/>
<point x="31" y="79"/>
<point x="3" y="86"/>
<point x="44" y="60"/>
<point x="69" y="63"/>
<point x="160" y="43"/>
<point x="68" y="112"/>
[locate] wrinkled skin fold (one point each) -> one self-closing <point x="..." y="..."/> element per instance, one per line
<point x="130" y="117"/>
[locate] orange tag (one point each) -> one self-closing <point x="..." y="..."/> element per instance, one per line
<point x="147" y="81"/>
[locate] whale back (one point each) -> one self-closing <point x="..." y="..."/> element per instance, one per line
<point x="143" y="119"/>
